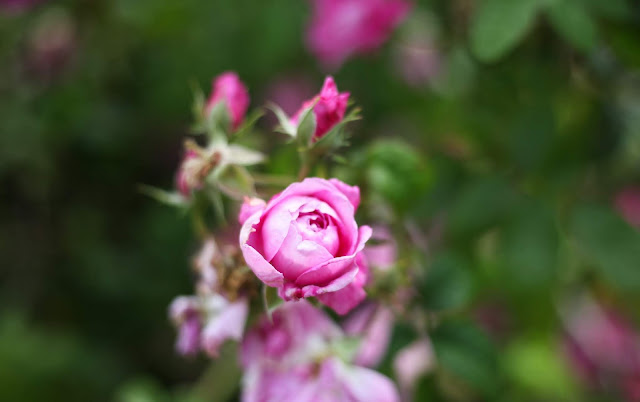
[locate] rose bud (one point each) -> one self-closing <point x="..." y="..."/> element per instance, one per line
<point x="228" y="88"/>
<point x="305" y="241"/>
<point x="342" y="28"/>
<point x="329" y="109"/>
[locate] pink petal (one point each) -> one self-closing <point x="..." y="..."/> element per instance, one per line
<point x="263" y="270"/>
<point x="351" y="192"/>
<point x="229" y="324"/>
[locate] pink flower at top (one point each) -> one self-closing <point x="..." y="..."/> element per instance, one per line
<point x="293" y="359"/>
<point x="628" y="204"/>
<point x="305" y="241"/>
<point x="340" y="29"/>
<point x="329" y="109"/>
<point x="228" y="88"/>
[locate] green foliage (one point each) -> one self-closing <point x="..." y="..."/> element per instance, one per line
<point x="609" y="244"/>
<point x="498" y="26"/>
<point x="573" y="22"/>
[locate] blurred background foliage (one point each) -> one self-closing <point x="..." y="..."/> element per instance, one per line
<point x="506" y="157"/>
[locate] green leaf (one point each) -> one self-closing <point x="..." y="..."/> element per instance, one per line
<point x="529" y="246"/>
<point x="572" y="21"/>
<point x="614" y="9"/>
<point x="165" y="197"/>
<point x="610" y="244"/>
<point x="306" y="127"/>
<point x="286" y="127"/>
<point x="218" y="120"/>
<point x="481" y="204"/>
<point x="536" y="366"/>
<point x="466" y="352"/>
<point x="448" y="283"/>
<point x="499" y="25"/>
<point x="397" y="172"/>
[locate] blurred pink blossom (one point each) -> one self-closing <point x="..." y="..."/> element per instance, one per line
<point x="627" y="202"/>
<point x="381" y="256"/>
<point x="602" y="347"/>
<point x="16" y="6"/>
<point x="293" y="359"/>
<point x="374" y="323"/>
<point x="411" y="363"/>
<point x="187" y="174"/>
<point x="340" y="29"/>
<point x="209" y="318"/>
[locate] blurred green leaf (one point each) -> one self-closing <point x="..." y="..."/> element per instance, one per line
<point x="448" y="283"/>
<point x="397" y="172"/>
<point x="574" y="23"/>
<point x="610" y="244"/>
<point x="498" y="26"/>
<point x="529" y="246"/>
<point x="615" y="9"/>
<point x="465" y="351"/>
<point x="480" y="204"/>
<point x="537" y="366"/>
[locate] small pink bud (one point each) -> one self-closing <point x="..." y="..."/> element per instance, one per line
<point x="329" y="109"/>
<point x="228" y="88"/>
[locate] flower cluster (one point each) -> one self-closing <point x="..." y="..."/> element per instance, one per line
<point x="293" y="251"/>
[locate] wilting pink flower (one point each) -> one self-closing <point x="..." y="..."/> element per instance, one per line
<point x="329" y="109"/>
<point x="342" y="28"/>
<point x="292" y="358"/>
<point x="628" y="204"/>
<point x="185" y="315"/>
<point x="411" y="363"/>
<point x="205" y="321"/>
<point x="228" y="88"/>
<point x="373" y="322"/>
<point x="305" y="241"/>
<point x="187" y="177"/>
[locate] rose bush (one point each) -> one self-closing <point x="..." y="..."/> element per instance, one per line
<point x="305" y="241"/>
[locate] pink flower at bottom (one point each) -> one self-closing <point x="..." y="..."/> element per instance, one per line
<point x="293" y="359"/>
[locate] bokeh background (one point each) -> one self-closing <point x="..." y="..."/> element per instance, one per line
<point x="504" y="134"/>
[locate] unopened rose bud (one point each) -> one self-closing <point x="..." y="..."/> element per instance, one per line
<point x="228" y="88"/>
<point x="329" y="109"/>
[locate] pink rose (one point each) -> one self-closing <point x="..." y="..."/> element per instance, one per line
<point x="329" y="109"/>
<point x="342" y="28"/>
<point x="228" y="88"/>
<point x="305" y="241"/>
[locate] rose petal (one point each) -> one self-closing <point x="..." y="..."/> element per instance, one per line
<point x="333" y="268"/>
<point x="297" y="255"/>
<point x="351" y="192"/>
<point x="261" y="267"/>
